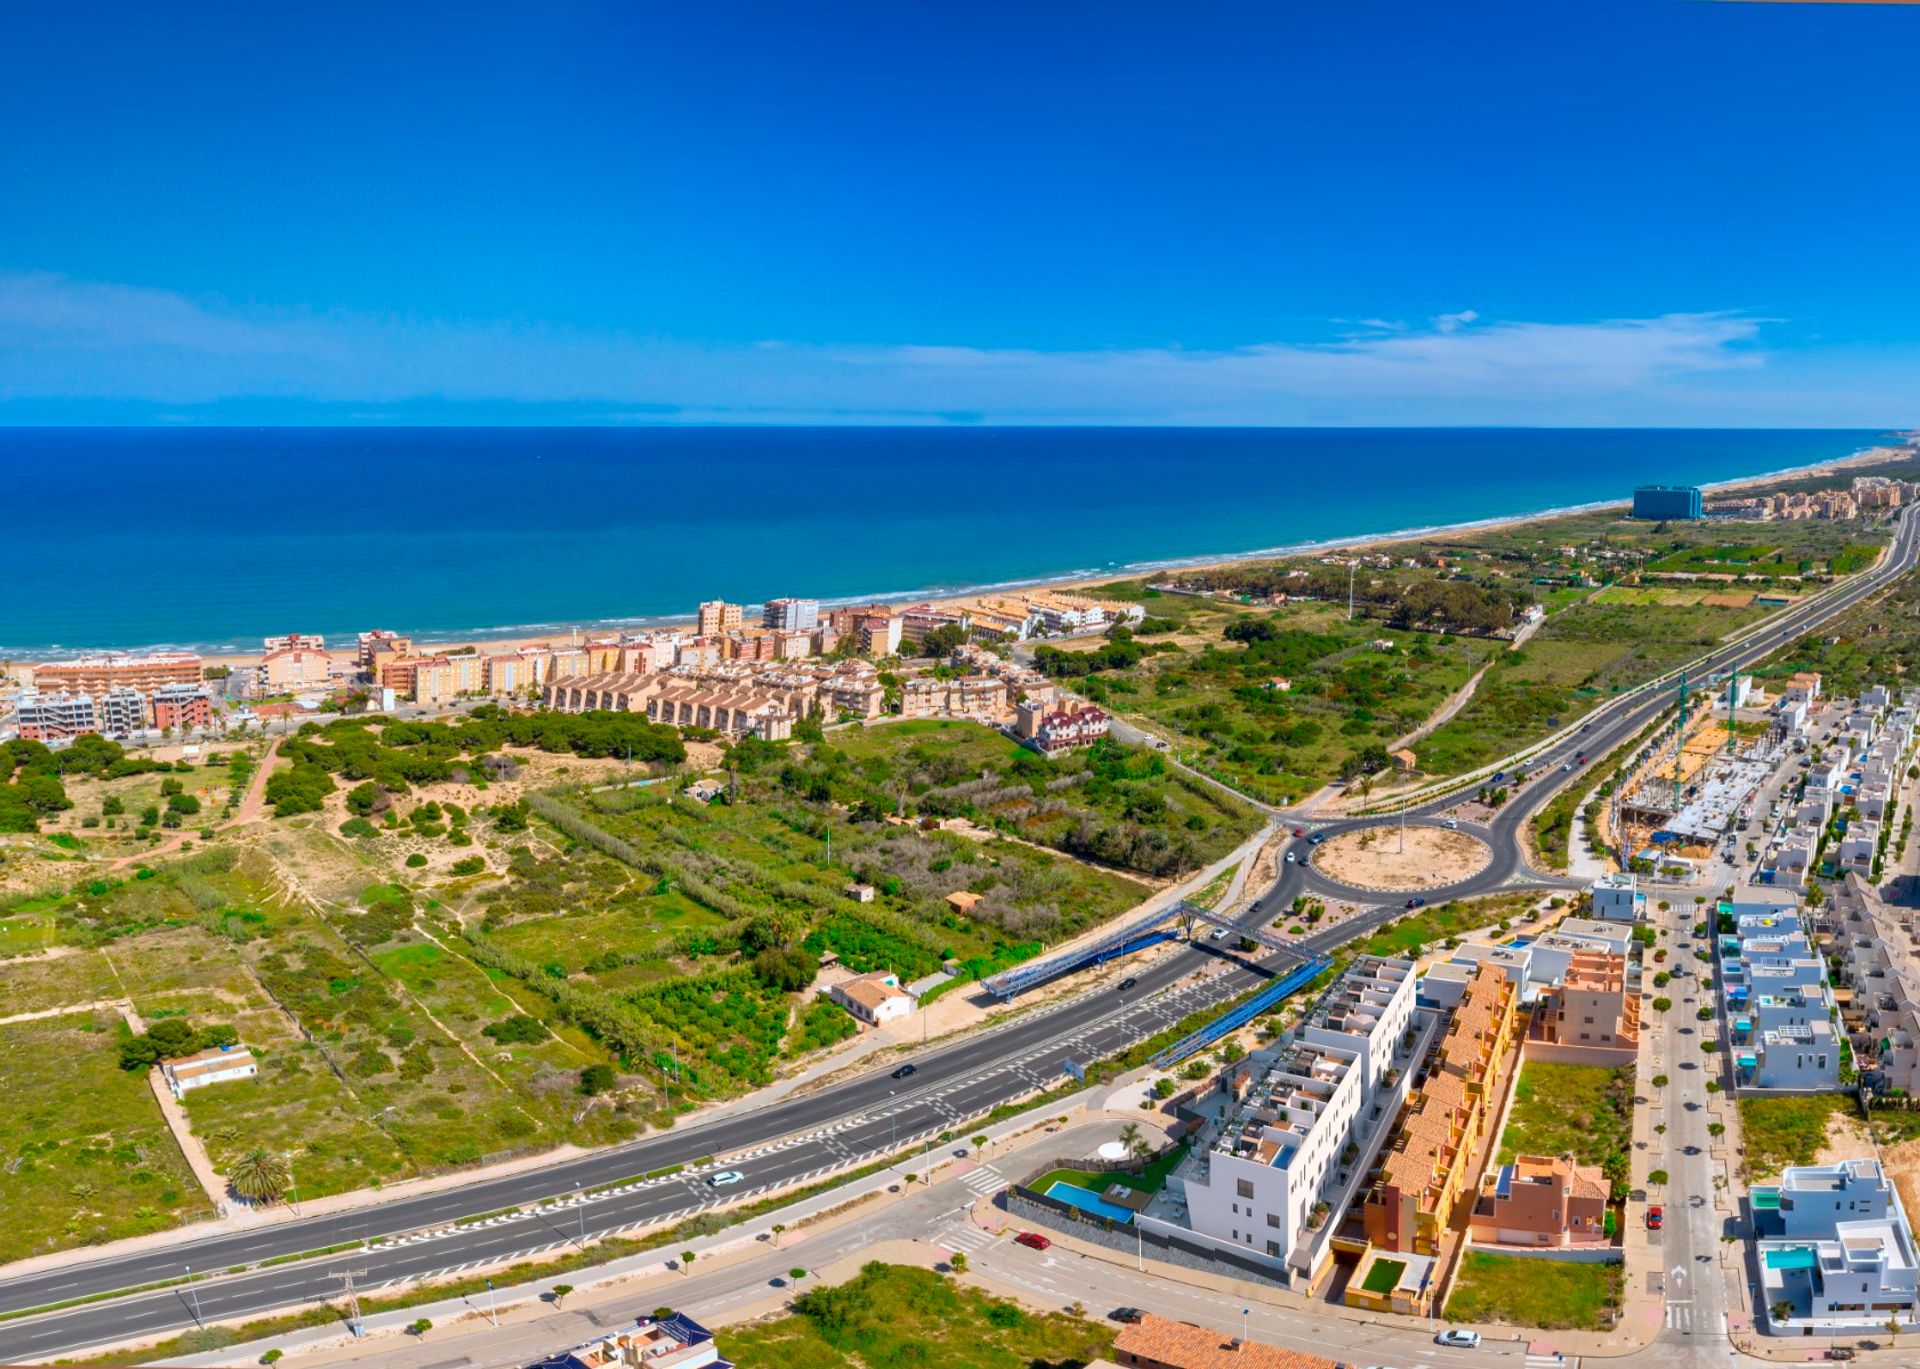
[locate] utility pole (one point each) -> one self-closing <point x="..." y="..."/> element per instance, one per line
<point x="353" y="1306"/>
<point x="293" y="1189"/>
<point x="1353" y="569"/>
<point x="493" y="1311"/>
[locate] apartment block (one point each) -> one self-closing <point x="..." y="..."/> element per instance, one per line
<point x="43" y="717"/>
<point x="1443" y="1130"/>
<point x="288" y="670"/>
<point x="181" y="707"/>
<point x="1590" y="1015"/>
<point x="371" y="646"/>
<point x="294" y="641"/>
<point x="1833" y="1244"/>
<point x="717" y="617"/>
<point x="982" y="698"/>
<point x="790" y="615"/>
<point x="1779" y="1005"/>
<point x="878" y="632"/>
<point x="1617" y="897"/>
<point x="1298" y="1133"/>
<point x="97" y="674"/>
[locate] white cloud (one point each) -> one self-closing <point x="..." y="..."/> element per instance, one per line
<point x="67" y="340"/>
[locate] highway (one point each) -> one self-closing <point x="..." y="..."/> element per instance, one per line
<point x="807" y="1136"/>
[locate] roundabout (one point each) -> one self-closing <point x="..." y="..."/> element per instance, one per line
<point x="1391" y="860"/>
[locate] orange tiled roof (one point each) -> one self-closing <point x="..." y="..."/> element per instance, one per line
<point x="1156" y="1340"/>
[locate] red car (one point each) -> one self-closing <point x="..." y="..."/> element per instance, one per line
<point x="1299" y="831"/>
<point x="1033" y="1240"/>
<point x="1654" y="1217"/>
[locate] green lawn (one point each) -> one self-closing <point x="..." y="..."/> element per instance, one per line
<point x="1582" y="1110"/>
<point x="1152" y="1180"/>
<point x="89" y="1157"/>
<point x="1403" y="937"/>
<point x="1552" y="1294"/>
<point x="1787" y="1131"/>
<point x="894" y="1317"/>
<point x="1384" y="1276"/>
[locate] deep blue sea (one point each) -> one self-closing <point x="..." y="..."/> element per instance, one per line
<point x="123" y="537"/>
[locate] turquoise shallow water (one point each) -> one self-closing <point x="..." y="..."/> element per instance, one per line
<point x="213" y="537"/>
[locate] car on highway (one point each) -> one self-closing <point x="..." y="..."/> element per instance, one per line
<point x="1033" y="1240"/>
<point x="1459" y="1340"/>
<point x="1416" y="903"/>
<point x="1129" y="1315"/>
<point x="1127" y="983"/>
<point x="724" y="1177"/>
<point x="905" y="1070"/>
<point x="1218" y="934"/>
<point x="1567" y="766"/>
<point x="1655" y="1217"/>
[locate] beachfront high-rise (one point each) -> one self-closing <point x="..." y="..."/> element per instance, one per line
<point x="1667" y="502"/>
<point x="791" y="615"/>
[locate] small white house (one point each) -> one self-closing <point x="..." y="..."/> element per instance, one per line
<point x="875" y="999"/>
<point x="215" y="1066"/>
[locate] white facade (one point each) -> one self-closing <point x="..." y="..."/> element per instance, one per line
<point x="1617" y="898"/>
<point x="1282" y="1143"/>
<point x="1834" y="1244"/>
<point x="1779" y="1006"/>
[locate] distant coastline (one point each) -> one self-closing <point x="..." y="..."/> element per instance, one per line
<point x="791" y="582"/>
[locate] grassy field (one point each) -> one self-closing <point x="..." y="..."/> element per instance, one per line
<point x="89" y="1157"/>
<point x="892" y="1315"/>
<point x="1404" y="937"/>
<point x="1582" y="1110"/>
<point x="1550" y="1294"/>
<point x="1787" y="1131"/>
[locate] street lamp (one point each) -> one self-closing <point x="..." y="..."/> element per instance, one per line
<point x="193" y="1296"/>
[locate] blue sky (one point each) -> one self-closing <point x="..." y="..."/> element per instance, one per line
<point x="1629" y="212"/>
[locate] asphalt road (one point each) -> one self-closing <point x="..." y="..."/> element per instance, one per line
<point x="808" y="1136"/>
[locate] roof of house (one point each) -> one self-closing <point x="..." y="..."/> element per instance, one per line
<point x="871" y="990"/>
<point x="1194" y="1347"/>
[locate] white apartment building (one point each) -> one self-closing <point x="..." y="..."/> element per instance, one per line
<point x="1779" y="1006"/>
<point x="1833" y="1242"/>
<point x="1617" y="897"/>
<point x="1283" y="1144"/>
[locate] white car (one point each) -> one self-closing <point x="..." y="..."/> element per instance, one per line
<point x="724" y="1177"/>
<point x="1290" y="858"/>
<point x="1451" y="824"/>
<point x="1459" y="1340"/>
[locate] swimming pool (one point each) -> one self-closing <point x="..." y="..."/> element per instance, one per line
<point x="1087" y="1201"/>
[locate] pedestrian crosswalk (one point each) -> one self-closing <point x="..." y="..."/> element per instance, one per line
<point x="1680" y="1316"/>
<point x="1549" y="1362"/>
<point x="964" y="1236"/>
<point x="984" y="1180"/>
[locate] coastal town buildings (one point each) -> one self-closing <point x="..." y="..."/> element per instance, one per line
<point x="54" y="717"/>
<point x="716" y="617"/>
<point x="1590" y="1015"/>
<point x="1834" y="1250"/>
<point x="294" y="641"/>
<point x="1779" y="1005"/>
<point x="790" y="615"/>
<point x="182" y="707"/>
<point x="1444" y="1129"/>
<point x="982" y="698"/>
<point x="370" y="646"/>
<point x="1052" y="727"/>
<point x="1302" y="1118"/>
<point x="1667" y="503"/>
<point x="97" y="674"/>
<point x="291" y="669"/>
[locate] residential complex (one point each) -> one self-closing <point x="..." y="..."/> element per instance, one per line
<point x="673" y="1341"/>
<point x="98" y="674"/>
<point x="1667" y="502"/>
<point x="1780" y="1009"/>
<point x="1302" y="1121"/>
<point x="1834" y="1250"/>
<point x="1542" y="1202"/>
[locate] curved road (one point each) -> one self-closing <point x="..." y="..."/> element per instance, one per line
<point x="804" y="1137"/>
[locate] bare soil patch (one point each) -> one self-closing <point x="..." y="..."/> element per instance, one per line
<point x="1379" y="858"/>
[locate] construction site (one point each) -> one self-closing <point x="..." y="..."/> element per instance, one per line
<point x="1693" y="783"/>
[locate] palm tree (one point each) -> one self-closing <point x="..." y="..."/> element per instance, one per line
<point x="260" y="1176"/>
<point x="1130" y="1138"/>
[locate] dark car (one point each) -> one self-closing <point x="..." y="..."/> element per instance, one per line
<point x="1316" y="838"/>
<point x="905" y="1070"/>
<point x="1130" y="1315"/>
<point x="1416" y="903"/>
<point x="1127" y="983"/>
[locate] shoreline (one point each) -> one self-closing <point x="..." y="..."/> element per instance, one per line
<point x="508" y="636"/>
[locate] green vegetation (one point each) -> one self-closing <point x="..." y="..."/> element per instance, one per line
<point x="1552" y="1294"/>
<point x="89" y="1157"/>
<point x="1581" y="1110"/>
<point x="1383" y="1276"/>
<point x="1787" y="1131"/>
<point x="896" y="1315"/>
<point x="823" y="1024"/>
<point x="1404" y="937"/>
<point x="1151" y="1179"/>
